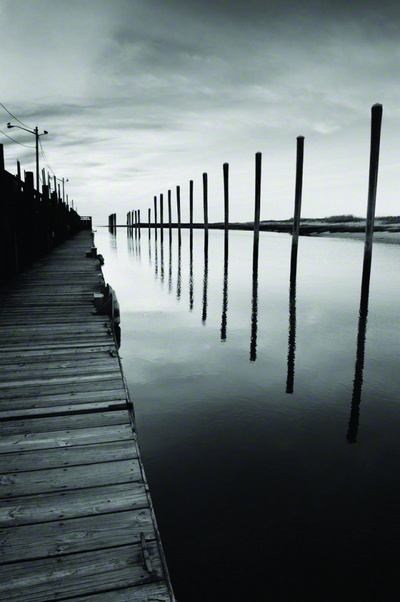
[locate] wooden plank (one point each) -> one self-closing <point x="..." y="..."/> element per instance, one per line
<point x="63" y="370"/>
<point x="34" y="441"/>
<point x="60" y="457"/>
<point x="63" y="410"/>
<point x="48" y="507"/>
<point x="70" y="385"/>
<point x="149" y="592"/>
<point x="35" y="356"/>
<point x="114" y="574"/>
<point x="68" y="388"/>
<point x="75" y="535"/>
<point x="69" y="477"/>
<point x="110" y="394"/>
<point x="67" y="423"/>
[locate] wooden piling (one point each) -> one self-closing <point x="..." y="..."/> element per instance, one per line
<point x="178" y="205"/>
<point x="205" y="201"/>
<point x="376" y="124"/>
<point x="226" y="195"/>
<point x="161" y="211"/>
<point x="155" y="212"/>
<point x="169" y="211"/>
<point x="191" y="204"/>
<point x="257" y="198"/>
<point x="149" y="220"/>
<point x="298" y="188"/>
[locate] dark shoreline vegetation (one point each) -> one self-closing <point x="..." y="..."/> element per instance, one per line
<point x="315" y="226"/>
<point x="335" y="224"/>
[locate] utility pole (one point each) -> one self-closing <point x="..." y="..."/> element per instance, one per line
<point x="35" y="132"/>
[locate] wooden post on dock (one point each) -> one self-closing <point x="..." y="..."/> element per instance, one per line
<point x="205" y="201"/>
<point x="191" y="204"/>
<point x="2" y="165"/>
<point x="139" y="225"/>
<point x="298" y="189"/>
<point x="226" y="196"/>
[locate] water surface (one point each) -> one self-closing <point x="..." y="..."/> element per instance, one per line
<point x="267" y="410"/>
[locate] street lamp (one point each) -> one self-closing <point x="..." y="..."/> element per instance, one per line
<point x="37" y="135"/>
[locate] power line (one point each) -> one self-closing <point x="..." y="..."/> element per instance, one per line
<point x="16" y="141"/>
<point x="13" y="116"/>
<point x="45" y="158"/>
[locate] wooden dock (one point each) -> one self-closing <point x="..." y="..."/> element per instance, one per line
<point x="77" y="521"/>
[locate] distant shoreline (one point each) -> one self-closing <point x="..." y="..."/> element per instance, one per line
<point x="386" y="229"/>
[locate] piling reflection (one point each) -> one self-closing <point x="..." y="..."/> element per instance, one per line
<point x="149" y="243"/>
<point x="352" y="431"/>
<point x="129" y="239"/>
<point x="292" y="319"/>
<point x="224" y="319"/>
<point x="191" y="281"/>
<point x="162" y="256"/>
<point x="205" y="279"/>
<point x="179" y="276"/>
<point x="254" y="302"/>
<point x="156" y="256"/>
<point x="170" y="261"/>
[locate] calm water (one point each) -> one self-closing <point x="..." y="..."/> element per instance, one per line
<point x="267" y="411"/>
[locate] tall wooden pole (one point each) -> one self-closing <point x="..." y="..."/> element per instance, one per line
<point x="169" y="211"/>
<point x="257" y="202"/>
<point x="376" y="124"/>
<point x="298" y="188"/>
<point x="155" y="218"/>
<point x="226" y="196"/>
<point x="149" y="220"/>
<point x="178" y="205"/>
<point x="205" y="201"/>
<point x="161" y="211"/>
<point x="191" y="204"/>
<point x="178" y="210"/>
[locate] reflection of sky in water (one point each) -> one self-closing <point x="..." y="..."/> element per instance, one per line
<point x="233" y="461"/>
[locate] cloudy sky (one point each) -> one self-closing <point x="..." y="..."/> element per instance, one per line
<point x="140" y="96"/>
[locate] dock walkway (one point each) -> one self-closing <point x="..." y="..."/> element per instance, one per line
<point x="77" y="521"/>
